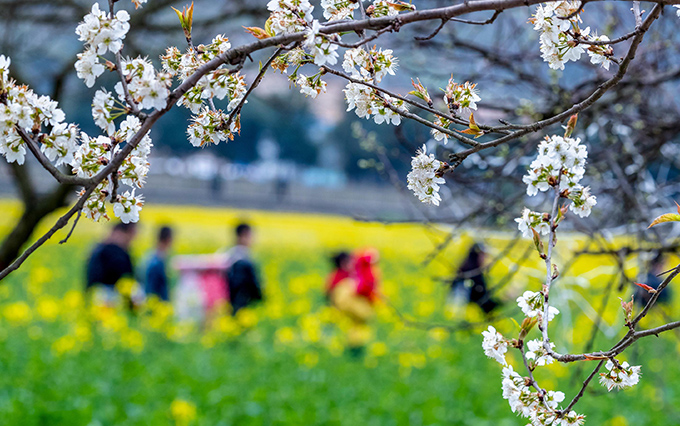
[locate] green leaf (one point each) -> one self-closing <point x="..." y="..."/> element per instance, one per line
<point x="668" y="217"/>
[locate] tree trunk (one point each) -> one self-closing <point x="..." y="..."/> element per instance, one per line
<point x="36" y="207"/>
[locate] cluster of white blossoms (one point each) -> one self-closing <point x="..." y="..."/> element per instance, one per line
<point x="532" y="304"/>
<point x="620" y="375"/>
<point x="336" y="10"/>
<point x="423" y="179"/>
<point x="21" y="108"/>
<point x="101" y="32"/>
<point x="210" y="127"/>
<point x="311" y="86"/>
<point x="495" y="346"/>
<point x="532" y="220"/>
<point x="561" y="38"/>
<point x="388" y="8"/>
<point x="461" y="98"/>
<point x="93" y="154"/>
<point x="319" y="46"/>
<point x="560" y="159"/>
<point x="61" y="143"/>
<point x="560" y="164"/>
<point x="539" y="409"/>
<point x="128" y="206"/>
<point x="209" y="124"/>
<point x="148" y="88"/>
<point x="537" y="355"/>
<point x="289" y="16"/>
<point x="371" y="67"/>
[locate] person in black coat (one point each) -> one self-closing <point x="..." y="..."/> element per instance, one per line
<point x="470" y="275"/>
<point x="242" y="279"/>
<point x="110" y="260"/>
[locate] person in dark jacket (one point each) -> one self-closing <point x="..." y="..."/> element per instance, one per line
<point x="242" y="280"/>
<point x="110" y="262"/>
<point x="471" y="277"/>
<point x="156" y="275"/>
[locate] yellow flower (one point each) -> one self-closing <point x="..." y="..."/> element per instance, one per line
<point x="285" y="335"/>
<point x="246" y="318"/>
<point x="184" y="412"/>
<point x="18" y="312"/>
<point x="48" y="309"/>
<point x="133" y="340"/>
<point x="439" y="334"/>
<point x="73" y="300"/>
<point x="64" y="345"/>
<point x="377" y="349"/>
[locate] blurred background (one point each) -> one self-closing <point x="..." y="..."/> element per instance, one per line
<point x="313" y="179"/>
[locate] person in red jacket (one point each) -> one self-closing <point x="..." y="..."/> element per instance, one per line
<point x="366" y="274"/>
<point x="343" y="270"/>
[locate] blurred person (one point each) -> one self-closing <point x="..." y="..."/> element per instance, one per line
<point x="342" y="263"/>
<point x="110" y="272"/>
<point x="156" y="278"/>
<point x="242" y="280"/>
<point x="651" y="278"/>
<point x="355" y="296"/>
<point x="470" y="280"/>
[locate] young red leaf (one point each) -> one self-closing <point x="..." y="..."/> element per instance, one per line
<point x="649" y="289"/>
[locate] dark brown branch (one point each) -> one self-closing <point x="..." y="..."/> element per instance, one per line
<point x="462" y="21"/>
<point x="46" y="163"/>
<point x="73" y="228"/>
<point x="586" y="382"/>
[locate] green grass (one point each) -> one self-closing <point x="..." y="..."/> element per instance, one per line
<point x="286" y="362"/>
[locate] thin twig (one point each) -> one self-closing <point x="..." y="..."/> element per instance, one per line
<point x="75" y="222"/>
<point x="586" y="382"/>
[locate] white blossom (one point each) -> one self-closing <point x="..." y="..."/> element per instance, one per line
<point x="289" y="16"/>
<point x="537" y="353"/>
<point x="147" y="87"/>
<point x="310" y="86"/>
<point x="359" y="99"/>
<point x="128" y="206"/>
<point x="95" y="207"/>
<point x="582" y="201"/>
<point x="336" y="10"/>
<point x="390" y="8"/>
<point x="103" y="33"/>
<point x="619" y="378"/>
<point x="532" y="304"/>
<point x="461" y="98"/>
<point x="91" y="156"/>
<point x="423" y="179"/>
<point x="319" y="46"/>
<point x="370" y="66"/>
<point x="12" y="147"/>
<point x="209" y="127"/>
<point x="532" y="220"/>
<point x="495" y="346"/>
<point x="560" y="159"/>
<point x="102" y="104"/>
<point x="559" y="47"/>
<point x="61" y="144"/>
<point x="601" y="54"/>
<point x="5" y="62"/>
<point x="88" y="67"/>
